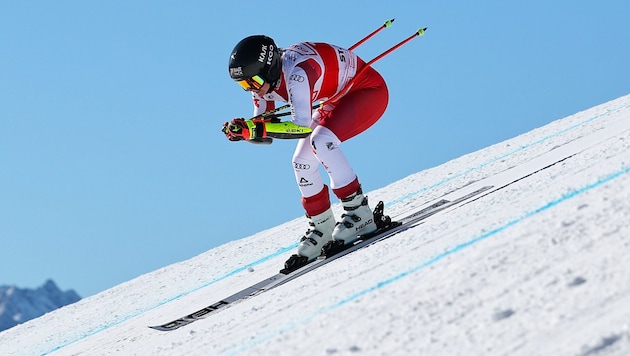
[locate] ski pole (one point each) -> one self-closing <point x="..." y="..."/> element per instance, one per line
<point x="387" y="24"/>
<point x="348" y="86"/>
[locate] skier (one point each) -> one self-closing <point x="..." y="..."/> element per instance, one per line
<point x="302" y="74"/>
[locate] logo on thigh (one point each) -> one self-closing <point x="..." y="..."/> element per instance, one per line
<point x="301" y="166"/>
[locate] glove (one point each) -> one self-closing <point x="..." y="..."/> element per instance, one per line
<point x="252" y="131"/>
<point x="263" y="130"/>
<point x="238" y="129"/>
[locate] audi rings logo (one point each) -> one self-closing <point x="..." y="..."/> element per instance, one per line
<point x="296" y="78"/>
<point x="301" y="165"/>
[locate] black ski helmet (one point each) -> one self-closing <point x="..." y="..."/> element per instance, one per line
<point x="256" y="55"/>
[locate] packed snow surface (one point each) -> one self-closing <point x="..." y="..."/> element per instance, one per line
<point x="539" y="266"/>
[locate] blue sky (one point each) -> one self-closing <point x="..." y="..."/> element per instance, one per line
<point x="112" y="163"/>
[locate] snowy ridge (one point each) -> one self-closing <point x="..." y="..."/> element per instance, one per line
<point x="538" y="267"/>
<point x="18" y="305"/>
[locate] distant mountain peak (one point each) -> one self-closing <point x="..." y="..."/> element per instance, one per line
<point x="18" y="305"/>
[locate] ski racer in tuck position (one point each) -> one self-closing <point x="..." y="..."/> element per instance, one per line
<point x="300" y="75"/>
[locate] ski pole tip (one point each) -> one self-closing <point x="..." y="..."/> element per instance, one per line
<point x="388" y="23"/>
<point x="420" y="32"/>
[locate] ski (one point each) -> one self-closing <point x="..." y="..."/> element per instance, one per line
<point x="385" y="231"/>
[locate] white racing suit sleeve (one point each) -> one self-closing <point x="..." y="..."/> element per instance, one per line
<point x="299" y="92"/>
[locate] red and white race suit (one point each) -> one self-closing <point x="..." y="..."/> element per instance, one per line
<point x="311" y="73"/>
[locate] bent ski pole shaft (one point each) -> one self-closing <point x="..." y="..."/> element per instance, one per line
<point x="348" y="86"/>
<point x="387" y="24"/>
<point x="420" y="32"/>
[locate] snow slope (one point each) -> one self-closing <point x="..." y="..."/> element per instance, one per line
<point x="537" y="267"/>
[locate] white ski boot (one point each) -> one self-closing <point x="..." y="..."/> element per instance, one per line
<point x="319" y="233"/>
<point x="357" y="220"/>
<point x="310" y="247"/>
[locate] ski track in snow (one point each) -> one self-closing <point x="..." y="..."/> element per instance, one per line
<point x="400" y="206"/>
<point x="508" y="154"/>
<point x="287" y="328"/>
<point x="284" y="250"/>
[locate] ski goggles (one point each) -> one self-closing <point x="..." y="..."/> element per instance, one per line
<point x="253" y="83"/>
